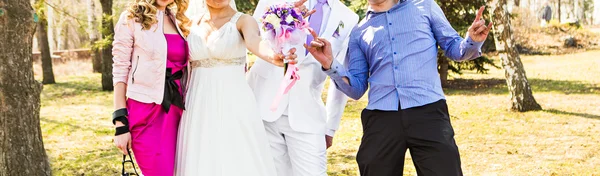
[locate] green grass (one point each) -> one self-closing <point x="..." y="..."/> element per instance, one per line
<point x="562" y="139"/>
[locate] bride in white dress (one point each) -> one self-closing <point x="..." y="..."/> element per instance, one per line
<point x="221" y="133"/>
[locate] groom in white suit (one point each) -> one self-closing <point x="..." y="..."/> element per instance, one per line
<point x="302" y="127"/>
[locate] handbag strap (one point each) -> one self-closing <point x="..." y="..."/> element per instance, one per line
<point x="132" y="163"/>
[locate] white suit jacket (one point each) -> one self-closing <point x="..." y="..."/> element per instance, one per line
<point x="307" y="113"/>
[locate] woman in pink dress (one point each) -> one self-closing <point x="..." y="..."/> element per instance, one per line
<point x="150" y="71"/>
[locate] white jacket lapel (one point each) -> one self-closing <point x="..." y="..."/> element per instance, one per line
<point x="334" y="19"/>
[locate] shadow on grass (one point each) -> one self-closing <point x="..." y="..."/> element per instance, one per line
<point x="498" y="86"/>
<point x="73" y="86"/>
<point x="63" y="124"/>
<point x="92" y="160"/>
<point x="60" y="127"/>
<point x="585" y="115"/>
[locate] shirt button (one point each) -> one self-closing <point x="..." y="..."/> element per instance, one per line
<point x="395" y="53"/>
<point x="398" y="86"/>
<point x="396" y="68"/>
<point x="390" y="24"/>
<point x="393" y="38"/>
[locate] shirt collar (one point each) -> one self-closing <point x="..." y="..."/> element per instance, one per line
<point x="314" y="2"/>
<point x="371" y="11"/>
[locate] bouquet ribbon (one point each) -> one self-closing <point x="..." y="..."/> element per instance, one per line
<point x="289" y="79"/>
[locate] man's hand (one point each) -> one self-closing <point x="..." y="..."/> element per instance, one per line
<point x="478" y="31"/>
<point x="302" y="8"/>
<point x="329" y="141"/>
<point x="320" y="48"/>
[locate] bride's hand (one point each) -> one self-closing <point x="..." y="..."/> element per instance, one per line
<point x="299" y="5"/>
<point x="278" y="58"/>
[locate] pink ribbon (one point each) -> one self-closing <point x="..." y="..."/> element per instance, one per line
<point x="289" y="79"/>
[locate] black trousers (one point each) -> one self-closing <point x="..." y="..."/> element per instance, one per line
<point x="425" y="130"/>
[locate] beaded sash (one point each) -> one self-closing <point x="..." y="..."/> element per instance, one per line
<point x="215" y="62"/>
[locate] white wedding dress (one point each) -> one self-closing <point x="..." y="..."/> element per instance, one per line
<point x="221" y="133"/>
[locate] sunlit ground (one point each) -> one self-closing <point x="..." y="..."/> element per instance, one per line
<point x="562" y="139"/>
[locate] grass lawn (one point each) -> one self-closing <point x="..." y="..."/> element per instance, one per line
<point x="562" y="139"/>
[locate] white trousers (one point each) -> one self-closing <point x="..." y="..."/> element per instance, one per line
<point x="296" y="153"/>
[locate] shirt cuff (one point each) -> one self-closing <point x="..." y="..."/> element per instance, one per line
<point x="330" y="132"/>
<point x="473" y="44"/>
<point x="336" y="72"/>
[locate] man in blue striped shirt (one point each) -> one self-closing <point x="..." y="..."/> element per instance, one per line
<point x="393" y="52"/>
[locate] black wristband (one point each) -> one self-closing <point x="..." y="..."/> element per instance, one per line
<point x="121" y="130"/>
<point x="121" y="119"/>
<point x="120" y="115"/>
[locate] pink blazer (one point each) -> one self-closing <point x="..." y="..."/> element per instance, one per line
<point x="140" y="57"/>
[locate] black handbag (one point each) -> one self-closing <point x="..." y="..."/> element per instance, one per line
<point x="123" y="173"/>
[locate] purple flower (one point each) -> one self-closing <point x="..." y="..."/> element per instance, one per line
<point x="336" y="34"/>
<point x="269" y="26"/>
<point x="291" y="28"/>
<point x="296" y="15"/>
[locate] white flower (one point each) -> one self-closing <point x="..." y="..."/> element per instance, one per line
<point x="289" y="19"/>
<point x="274" y="20"/>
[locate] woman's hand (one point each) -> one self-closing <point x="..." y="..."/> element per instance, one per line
<point x="278" y="58"/>
<point x="123" y="141"/>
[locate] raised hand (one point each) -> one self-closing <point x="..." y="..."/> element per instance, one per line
<point x="302" y="8"/>
<point x="320" y="48"/>
<point x="478" y="31"/>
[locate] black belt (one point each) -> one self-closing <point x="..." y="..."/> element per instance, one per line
<point x="172" y="94"/>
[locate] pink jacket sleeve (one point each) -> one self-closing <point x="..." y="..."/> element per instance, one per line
<point x="122" y="49"/>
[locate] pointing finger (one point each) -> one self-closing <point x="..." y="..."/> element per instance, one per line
<point x="313" y="33"/>
<point x="479" y="14"/>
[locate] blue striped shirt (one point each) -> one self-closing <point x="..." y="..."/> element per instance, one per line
<point x="395" y="53"/>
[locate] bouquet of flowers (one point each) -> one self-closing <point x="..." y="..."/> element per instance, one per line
<point x="284" y="26"/>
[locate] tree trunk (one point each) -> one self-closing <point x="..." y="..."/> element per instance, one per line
<point x="92" y="30"/>
<point x="65" y="35"/>
<point x="443" y="61"/>
<point x="42" y="26"/>
<point x="21" y="146"/>
<point x="60" y="24"/>
<point x="96" y="59"/>
<point x="517" y="3"/>
<point x="559" y="13"/>
<point x="521" y="96"/>
<point x="443" y="69"/>
<point x="51" y="28"/>
<point x="580" y="11"/>
<point x="107" y="33"/>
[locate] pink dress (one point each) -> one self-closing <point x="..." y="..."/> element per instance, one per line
<point x="154" y="126"/>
